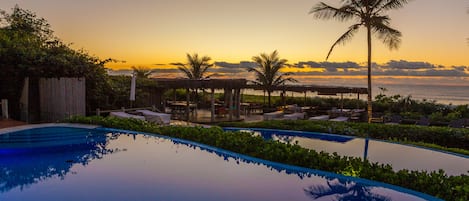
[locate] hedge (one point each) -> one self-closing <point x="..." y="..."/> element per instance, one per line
<point x="434" y="183"/>
<point x="442" y="136"/>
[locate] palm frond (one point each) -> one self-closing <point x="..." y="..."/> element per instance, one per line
<point x="390" y="37"/>
<point x="391" y="4"/>
<point x="344" y="38"/>
<point x="344" y="13"/>
<point x="186" y="71"/>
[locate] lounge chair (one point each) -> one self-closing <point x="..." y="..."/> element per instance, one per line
<point x="294" y="116"/>
<point x="156" y="117"/>
<point x="458" y="123"/>
<point x="125" y="115"/>
<point x="320" y="117"/>
<point x="424" y="121"/>
<point x="395" y="119"/>
<point x="339" y="119"/>
<point x="273" y="115"/>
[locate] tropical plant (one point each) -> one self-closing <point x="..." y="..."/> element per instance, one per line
<point x="368" y="14"/>
<point x="267" y="70"/>
<point x="142" y="72"/>
<point x="196" y="67"/>
<point x="28" y="48"/>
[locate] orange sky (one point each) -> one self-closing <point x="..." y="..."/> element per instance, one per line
<point x="147" y="32"/>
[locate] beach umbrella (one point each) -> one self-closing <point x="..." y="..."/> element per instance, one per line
<point x="132" y="89"/>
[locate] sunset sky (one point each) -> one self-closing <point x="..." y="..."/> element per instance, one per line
<point x="149" y="32"/>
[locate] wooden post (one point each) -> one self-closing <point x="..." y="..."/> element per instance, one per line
<point x="305" y="99"/>
<point x="5" y="109"/>
<point x="238" y="103"/>
<point x="212" y="105"/>
<point x="341" y="102"/>
<point x="231" y="105"/>
<point x="187" y="104"/>
<point x="358" y="100"/>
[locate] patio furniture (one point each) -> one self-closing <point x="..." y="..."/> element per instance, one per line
<point x="394" y="119"/>
<point x="125" y="115"/>
<point x="339" y="119"/>
<point x="319" y="118"/>
<point x="273" y="115"/>
<point x="424" y="121"/>
<point x="156" y="117"/>
<point x="458" y="123"/>
<point x="294" y="116"/>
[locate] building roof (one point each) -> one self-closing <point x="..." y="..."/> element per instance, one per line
<point x="184" y="83"/>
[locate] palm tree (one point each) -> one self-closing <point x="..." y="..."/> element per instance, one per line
<point x="196" y="66"/>
<point x="366" y="13"/>
<point x="268" y="73"/>
<point x="142" y="72"/>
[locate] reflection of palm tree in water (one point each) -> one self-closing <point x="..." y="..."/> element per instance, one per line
<point x="344" y="191"/>
<point x="24" y="169"/>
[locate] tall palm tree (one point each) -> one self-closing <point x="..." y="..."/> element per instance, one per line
<point x="196" y="67"/>
<point x="142" y="72"/>
<point x="268" y="73"/>
<point x="368" y="14"/>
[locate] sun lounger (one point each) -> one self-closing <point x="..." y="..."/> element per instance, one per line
<point x="339" y="119"/>
<point x="294" y="116"/>
<point x="321" y="117"/>
<point x="273" y="115"/>
<point x="156" y="117"/>
<point x="125" y="115"/>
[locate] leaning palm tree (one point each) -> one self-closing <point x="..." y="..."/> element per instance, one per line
<point x="196" y="67"/>
<point x="368" y="14"/>
<point x="268" y="73"/>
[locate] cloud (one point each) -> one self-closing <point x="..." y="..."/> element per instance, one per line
<point x="328" y="66"/>
<point x="391" y="68"/>
<point x="402" y="64"/>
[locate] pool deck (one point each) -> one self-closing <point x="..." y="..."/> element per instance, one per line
<point x="6" y="123"/>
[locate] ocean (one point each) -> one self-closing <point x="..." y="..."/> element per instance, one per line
<point x="446" y="93"/>
<point x="444" y="90"/>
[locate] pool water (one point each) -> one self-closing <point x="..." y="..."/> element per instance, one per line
<point x="105" y="164"/>
<point x="399" y="156"/>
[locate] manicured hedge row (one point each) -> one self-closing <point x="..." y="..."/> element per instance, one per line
<point x="447" y="137"/>
<point x="434" y="183"/>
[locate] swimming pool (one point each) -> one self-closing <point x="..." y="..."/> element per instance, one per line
<point x="53" y="163"/>
<point x="399" y="156"/>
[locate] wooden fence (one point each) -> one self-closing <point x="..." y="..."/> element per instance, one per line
<point x="61" y="98"/>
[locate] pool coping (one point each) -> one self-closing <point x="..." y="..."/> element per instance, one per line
<point x="32" y="126"/>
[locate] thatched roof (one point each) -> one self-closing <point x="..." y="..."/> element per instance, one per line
<point x="182" y="83"/>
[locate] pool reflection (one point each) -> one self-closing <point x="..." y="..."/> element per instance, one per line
<point x="145" y="167"/>
<point x="397" y="155"/>
<point x="21" y="166"/>
<point x="342" y="190"/>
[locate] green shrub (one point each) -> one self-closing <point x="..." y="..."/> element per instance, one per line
<point x="433" y="183"/>
<point x="443" y="136"/>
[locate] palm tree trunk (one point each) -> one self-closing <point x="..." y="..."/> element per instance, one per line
<point x="268" y="94"/>
<point x="369" y="101"/>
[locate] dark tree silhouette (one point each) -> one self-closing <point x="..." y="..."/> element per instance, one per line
<point x="196" y="67"/>
<point x="268" y="73"/>
<point x="368" y="14"/>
